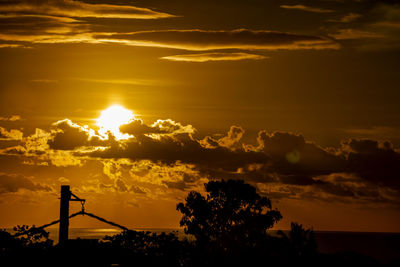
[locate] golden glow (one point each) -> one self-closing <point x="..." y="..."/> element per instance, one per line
<point x="112" y="118"/>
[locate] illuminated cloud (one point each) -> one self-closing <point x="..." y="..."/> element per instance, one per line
<point x="10" y="135"/>
<point x="13" y="46"/>
<point x="307" y="8"/>
<point x="69" y="8"/>
<point x="202" y="40"/>
<point x="203" y="57"/>
<point x="10" y="118"/>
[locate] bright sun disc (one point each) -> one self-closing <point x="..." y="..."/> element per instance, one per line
<point x="112" y="118"/>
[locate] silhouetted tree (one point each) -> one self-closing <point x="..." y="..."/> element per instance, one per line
<point x="230" y="220"/>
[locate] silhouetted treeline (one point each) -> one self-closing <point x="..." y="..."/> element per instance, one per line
<point x="226" y="227"/>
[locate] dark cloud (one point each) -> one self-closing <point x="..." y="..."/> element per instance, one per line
<point x="68" y="136"/>
<point x="293" y="155"/>
<point x="374" y="161"/>
<point x="182" y="148"/>
<point x="11" y="183"/>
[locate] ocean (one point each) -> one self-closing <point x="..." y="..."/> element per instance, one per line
<point x="384" y="247"/>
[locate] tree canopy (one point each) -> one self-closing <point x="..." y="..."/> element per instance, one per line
<point x="232" y="211"/>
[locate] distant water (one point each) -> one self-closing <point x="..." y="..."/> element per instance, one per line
<point x="382" y="246"/>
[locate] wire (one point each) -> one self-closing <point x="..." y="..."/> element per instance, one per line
<point x="82" y="212"/>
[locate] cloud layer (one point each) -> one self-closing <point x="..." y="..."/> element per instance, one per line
<point x="166" y="153"/>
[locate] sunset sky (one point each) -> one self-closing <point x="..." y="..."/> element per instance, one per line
<point x="298" y="98"/>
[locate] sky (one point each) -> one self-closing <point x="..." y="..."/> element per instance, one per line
<point x="136" y="103"/>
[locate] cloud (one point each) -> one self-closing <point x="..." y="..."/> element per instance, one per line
<point x="73" y="9"/>
<point x="13" y="46"/>
<point x="231" y="140"/>
<point x="11" y="118"/>
<point x="11" y="183"/>
<point x="46" y="81"/>
<point x="348" y="18"/>
<point x="68" y="136"/>
<point x="348" y="34"/>
<point x="10" y="135"/>
<point x="202" y="40"/>
<point x="376" y="132"/>
<point x="374" y="161"/>
<point x="170" y="126"/>
<point x="378" y="30"/>
<point x="180" y="148"/>
<point x="204" y="57"/>
<point x="295" y="160"/>
<point x="144" y="82"/>
<point x="307" y="8"/>
<point x="137" y="127"/>
<point x="59" y="21"/>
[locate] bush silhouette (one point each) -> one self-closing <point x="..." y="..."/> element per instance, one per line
<point x="301" y="242"/>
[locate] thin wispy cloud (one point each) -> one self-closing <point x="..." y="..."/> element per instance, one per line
<point x="204" y="57"/>
<point x="352" y="34"/>
<point x="146" y="82"/>
<point x="202" y="40"/>
<point x="307" y="8"/>
<point x="347" y="18"/>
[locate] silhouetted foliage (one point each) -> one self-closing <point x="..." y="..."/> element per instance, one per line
<point x="32" y="236"/>
<point x="149" y="248"/>
<point x="301" y="242"/>
<point x="232" y="219"/>
<point x="231" y="210"/>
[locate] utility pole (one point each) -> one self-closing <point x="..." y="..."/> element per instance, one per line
<point x="64" y="214"/>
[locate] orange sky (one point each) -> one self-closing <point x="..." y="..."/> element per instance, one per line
<point x="298" y="98"/>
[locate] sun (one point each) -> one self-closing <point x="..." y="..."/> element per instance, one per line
<point x="112" y="118"/>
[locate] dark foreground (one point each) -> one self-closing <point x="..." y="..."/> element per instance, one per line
<point x="228" y="226"/>
<point x="297" y="247"/>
